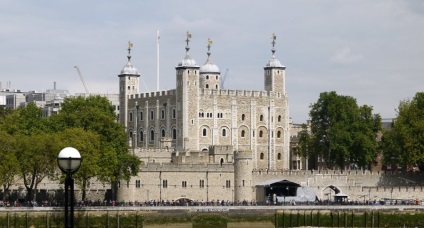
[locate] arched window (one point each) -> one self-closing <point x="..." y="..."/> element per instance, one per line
<point x="141" y="115"/>
<point x="152" y="115"/>
<point x="163" y="114"/>
<point x="152" y="135"/>
<point x="141" y="136"/>
<point x="243" y="116"/>
<point x="221" y="162"/>
<point x="216" y="86"/>
<point x="278" y="134"/>
<point x="131" y="116"/>
<point x="174" y="133"/>
<point x="163" y="133"/>
<point x="279" y="156"/>
<point x="279" y="118"/>
<point x="262" y="156"/>
<point x="224" y="132"/>
<point x="261" y="134"/>
<point x="130" y="134"/>
<point x="207" y="77"/>
<point x="204" y="132"/>
<point x="243" y="133"/>
<point x="207" y="86"/>
<point x="261" y="118"/>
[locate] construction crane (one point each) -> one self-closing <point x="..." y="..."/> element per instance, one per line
<point x="223" y="78"/>
<point x="82" y="79"/>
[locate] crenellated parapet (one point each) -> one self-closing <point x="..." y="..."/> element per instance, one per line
<point x="237" y="93"/>
<point x="169" y="167"/>
<point x="156" y="94"/>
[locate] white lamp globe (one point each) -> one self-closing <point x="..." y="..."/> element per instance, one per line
<point x="69" y="159"/>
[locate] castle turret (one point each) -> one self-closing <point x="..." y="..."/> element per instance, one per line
<point x="278" y="118"/>
<point x="275" y="73"/>
<point x="243" y="165"/>
<point x="210" y="77"/>
<point x="128" y="85"/>
<point x="187" y="95"/>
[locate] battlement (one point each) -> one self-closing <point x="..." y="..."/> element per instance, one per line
<point x="155" y="150"/>
<point x="170" y="167"/>
<point x="330" y="173"/>
<point x="153" y="94"/>
<point x="236" y="93"/>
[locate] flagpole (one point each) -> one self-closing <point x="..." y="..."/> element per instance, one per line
<point x="157" y="58"/>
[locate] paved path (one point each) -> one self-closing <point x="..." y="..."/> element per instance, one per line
<point x="224" y="209"/>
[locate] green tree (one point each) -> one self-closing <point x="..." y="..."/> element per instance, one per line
<point x="25" y="120"/>
<point x="88" y="144"/>
<point x="3" y="112"/>
<point x="34" y="146"/>
<point x="8" y="162"/>
<point x="342" y="133"/>
<point x="37" y="155"/>
<point x="304" y="146"/>
<point x="404" y="143"/>
<point x="96" y="114"/>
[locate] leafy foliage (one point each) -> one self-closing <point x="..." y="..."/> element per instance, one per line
<point x="8" y="162"/>
<point x="96" y="114"/>
<point x="32" y="143"/>
<point x="404" y="143"/>
<point x="342" y="133"/>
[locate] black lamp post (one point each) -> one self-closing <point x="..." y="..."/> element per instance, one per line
<point x="69" y="161"/>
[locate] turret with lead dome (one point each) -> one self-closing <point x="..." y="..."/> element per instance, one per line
<point x="210" y="76"/>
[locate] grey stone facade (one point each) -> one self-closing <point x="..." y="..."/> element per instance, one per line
<point x="206" y="128"/>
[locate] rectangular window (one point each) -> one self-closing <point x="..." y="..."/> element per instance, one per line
<point x="152" y="115"/>
<point x="164" y="183"/>
<point x="137" y="183"/>
<point x="141" y="115"/>
<point x="174" y="115"/>
<point x="184" y="184"/>
<point x="228" y="184"/>
<point x="131" y="117"/>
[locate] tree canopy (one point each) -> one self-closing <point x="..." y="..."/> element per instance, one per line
<point x="96" y="114"/>
<point x="342" y="133"/>
<point x="87" y="124"/>
<point x="403" y="144"/>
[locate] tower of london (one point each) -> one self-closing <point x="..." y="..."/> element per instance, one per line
<point x="200" y="141"/>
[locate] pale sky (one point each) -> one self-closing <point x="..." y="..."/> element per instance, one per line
<point x="370" y="50"/>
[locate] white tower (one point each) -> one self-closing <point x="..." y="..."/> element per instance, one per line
<point x="278" y="112"/>
<point x="187" y="95"/>
<point x="129" y="84"/>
